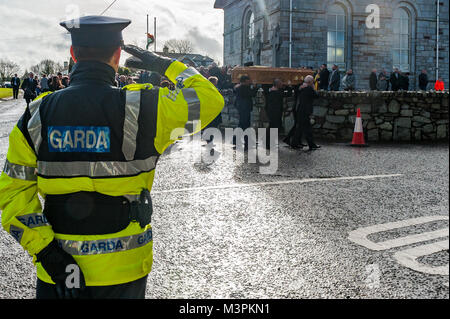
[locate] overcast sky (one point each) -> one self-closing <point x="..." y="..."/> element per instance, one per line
<point x="30" y="31"/>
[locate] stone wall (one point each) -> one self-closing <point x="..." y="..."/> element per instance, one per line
<point x="387" y="116"/>
<point x="230" y="115"/>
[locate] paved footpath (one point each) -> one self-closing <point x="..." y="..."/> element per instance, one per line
<point x="335" y="223"/>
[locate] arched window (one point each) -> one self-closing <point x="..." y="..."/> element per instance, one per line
<point x="249" y="29"/>
<point x="401" y="41"/>
<point x="336" y="21"/>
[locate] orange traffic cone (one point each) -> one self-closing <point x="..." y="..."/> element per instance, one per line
<point x="358" y="134"/>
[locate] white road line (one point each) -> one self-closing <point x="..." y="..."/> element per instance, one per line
<point x="293" y="181"/>
<point x="408" y="258"/>
<point x="359" y="236"/>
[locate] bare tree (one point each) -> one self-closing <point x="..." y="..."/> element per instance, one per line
<point x="47" y="67"/>
<point x="179" y="46"/>
<point x="8" y="69"/>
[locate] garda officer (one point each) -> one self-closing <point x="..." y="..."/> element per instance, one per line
<point x="90" y="151"/>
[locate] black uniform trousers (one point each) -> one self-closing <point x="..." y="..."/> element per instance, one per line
<point x="304" y="129"/>
<point x="15" y="92"/>
<point x="130" y="290"/>
<point x="245" y="114"/>
<point x="29" y="98"/>
<point x="290" y="136"/>
<point x="275" y="115"/>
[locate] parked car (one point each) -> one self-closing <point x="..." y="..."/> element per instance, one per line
<point x="7" y="85"/>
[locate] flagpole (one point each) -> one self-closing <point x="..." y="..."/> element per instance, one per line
<point x="147" y="30"/>
<point x="154" y="34"/>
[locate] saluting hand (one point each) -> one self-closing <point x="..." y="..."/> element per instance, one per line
<point x="142" y="59"/>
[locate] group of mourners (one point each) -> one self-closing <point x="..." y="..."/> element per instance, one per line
<point x="33" y="86"/>
<point x="305" y="94"/>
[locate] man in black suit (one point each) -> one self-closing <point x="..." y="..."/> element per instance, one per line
<point x="306" y="97"/>
<point x="15" y="83"/>
<point x="423" y="80"/>
<point x="395" y="79"/>
<point x="404" y="81"/>
<point x="324" y="75"/>
<point x="274" y="106"/>
<point x="245" y="92"/>
<point x="335" y="79"/>
<point x="29" y="86"/>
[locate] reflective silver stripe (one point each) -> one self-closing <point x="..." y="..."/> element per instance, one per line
<point x="186" y="74"/>
<point x="33" y="220"/>
<point x="16" y="232"/>
<point x="34" y="106"/>
<point x="35" y="125"/>
<point x="96" y="169"/>
<point x="106" y="246"/>
<point x="20" y="172"/>
<point x="191" y="97"/>
<point x="130" y="125"/>
<point x="132" y="198"/>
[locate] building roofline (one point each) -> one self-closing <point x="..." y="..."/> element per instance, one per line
<point x="219" y="4"/>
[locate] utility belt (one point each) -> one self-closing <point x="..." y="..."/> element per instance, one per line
<point x="91" y="213"/>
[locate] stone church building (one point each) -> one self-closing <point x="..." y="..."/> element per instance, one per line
<point x="356" y="34"/>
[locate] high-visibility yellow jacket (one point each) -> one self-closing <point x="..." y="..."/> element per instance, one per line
<point x="95" y="138"/>
<point x="316" y="82"/>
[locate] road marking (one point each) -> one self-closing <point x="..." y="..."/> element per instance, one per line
<point x="294" y="181"/>
<point x="408" y="258"/>
<point x="359" y="236"/>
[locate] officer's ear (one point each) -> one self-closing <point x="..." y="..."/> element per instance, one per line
<point x="72" y="54"/>
<point x="116" y="56"/>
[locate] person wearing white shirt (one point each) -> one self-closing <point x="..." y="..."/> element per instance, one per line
<point x="44" y="84"/>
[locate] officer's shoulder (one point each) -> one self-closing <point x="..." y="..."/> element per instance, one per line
<point x="138" y="87"/>
<point x="41" y="96"/>
<point x="148" y="93"/>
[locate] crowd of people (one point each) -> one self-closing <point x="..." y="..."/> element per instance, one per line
<point x="382" y="81"/>
<point x="245" y="90"/>
<point x="323" y="79"/>
<point x="222" y="74"/>
<point x="33" y="86"/>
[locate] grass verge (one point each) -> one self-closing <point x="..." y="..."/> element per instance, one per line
<point x="4" y="93"/>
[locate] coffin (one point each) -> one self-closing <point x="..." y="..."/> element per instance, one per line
<point x="266" y="75"/>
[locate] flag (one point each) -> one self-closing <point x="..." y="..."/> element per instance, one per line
<point x="150" y="39"/>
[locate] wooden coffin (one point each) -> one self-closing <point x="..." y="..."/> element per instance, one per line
<point x="266" y="75"/>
